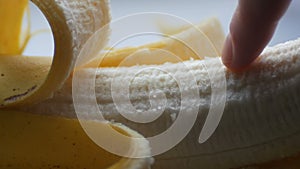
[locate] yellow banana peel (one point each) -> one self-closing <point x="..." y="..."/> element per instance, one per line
<point x="45" y="141"/>
<point x="11" y="14"/>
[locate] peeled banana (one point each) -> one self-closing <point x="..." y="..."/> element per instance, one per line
<point x="259" y="123"/>
<point x="260" y="120"/>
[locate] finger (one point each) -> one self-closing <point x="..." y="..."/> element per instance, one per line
<point x="251" y="28"/>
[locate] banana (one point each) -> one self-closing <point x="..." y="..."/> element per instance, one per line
<point x="260" y="120"/>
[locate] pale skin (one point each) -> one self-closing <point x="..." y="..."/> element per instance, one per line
<point x="252" y="27"/>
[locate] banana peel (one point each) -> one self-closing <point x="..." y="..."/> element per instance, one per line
<point x="68" y="20"/>
<point x="10" y="32"/>
<point x="29" y="80"/>
<point x="49" y="136"/>
<point x="69" y="40"/>
<point x="40" y="141"/>
<point x="193" y="42"/>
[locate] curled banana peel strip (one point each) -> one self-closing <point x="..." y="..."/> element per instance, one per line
<point x="72" y="23"/>
<point x="39" y="141"/>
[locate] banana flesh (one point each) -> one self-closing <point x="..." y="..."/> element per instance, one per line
<point x="259" y="124"/>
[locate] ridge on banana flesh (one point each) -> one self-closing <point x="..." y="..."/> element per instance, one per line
<point x="260" y="120"/>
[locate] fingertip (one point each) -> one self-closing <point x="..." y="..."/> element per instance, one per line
<point x="232" y="58"/>
<point x="227" y="53"/>
<point x="251" y="28"/>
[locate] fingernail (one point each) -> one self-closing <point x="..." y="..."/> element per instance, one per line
<point x="227" y="52"/>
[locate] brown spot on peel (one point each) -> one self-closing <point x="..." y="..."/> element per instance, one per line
<point x="16" y="97"/>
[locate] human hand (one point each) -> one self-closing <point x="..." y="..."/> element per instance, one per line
<point x="251" y="28"/>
